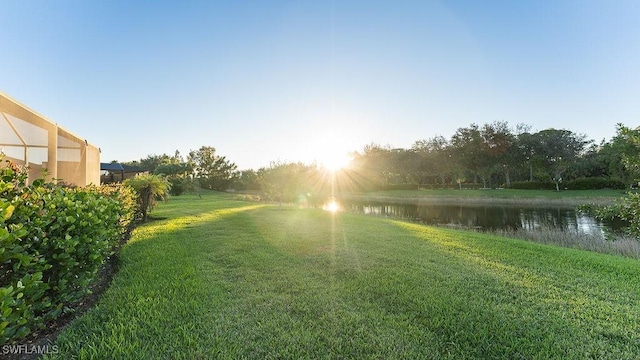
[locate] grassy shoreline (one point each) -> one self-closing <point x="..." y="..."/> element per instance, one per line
<point x="569" y="198"/>
<point x="220" y="278"/>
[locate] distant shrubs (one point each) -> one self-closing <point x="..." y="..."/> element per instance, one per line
<point x="53" y="241"/>
<point x="179" y="185"/>
<point x="454" y="186"/>
<point x="391" y="187"/>
<point x="247" y="197"/>
<point x="533" y="185"/>
<point x="578" y="184"/>
<point x="176" y="173"/>
<point x="595" y="184"/>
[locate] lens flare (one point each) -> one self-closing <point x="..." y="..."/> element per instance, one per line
<point x="331" y="206"/>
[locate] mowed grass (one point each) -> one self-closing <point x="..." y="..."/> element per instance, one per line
<point x="225" y="279"/>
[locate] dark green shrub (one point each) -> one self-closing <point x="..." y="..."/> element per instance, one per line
<point x="178" y="185"/>
<point x="53" y="241"/>
<point x="594" y="183"/>
<point x="578" y="184"/>
<point x="533" y="185"/>
<point x="391" y="187"/>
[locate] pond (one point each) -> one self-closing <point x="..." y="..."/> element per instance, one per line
<point x="490" y="217"/>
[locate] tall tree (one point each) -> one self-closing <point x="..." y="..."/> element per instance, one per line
<point x="629" y="143"/>
<point x="401" y="165"/>
<point x="559" y="149"/>
<point x="374" y="166"/>
<point x="248" y="180"/>
<point x="498" y="148"/>
<point x="212" y="171"/>
<point x="468" y="146"/>
<point x="435" y="157"/>
<point x="288" y="183"/>
<point x="174" y="169"/>
<point x="528" y="148"/>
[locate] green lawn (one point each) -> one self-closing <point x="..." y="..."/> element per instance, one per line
<point x="219" y="278"/>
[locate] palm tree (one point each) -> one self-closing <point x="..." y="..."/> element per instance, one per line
<point x="150" y="188"/>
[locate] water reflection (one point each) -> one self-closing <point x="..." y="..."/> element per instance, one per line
<point x="332" y="206"/>
<point x="490" y="217"/>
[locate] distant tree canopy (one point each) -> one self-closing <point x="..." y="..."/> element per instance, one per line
<point x="247" y="180"/>
<point x="496" y="155"/>
<point x="491" y="155"/>
<point x="174" y="169"/>
<point x="211" y="170"/>
<point x="294" y="183"/>
<point x="204" y="167"/>
<point x="627" y="142"/>
<point x="476" y="156"/>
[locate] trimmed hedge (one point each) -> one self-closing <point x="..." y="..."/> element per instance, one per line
<point x="578" y="184"/>
<point x="595" y="184"/>
<point x="53" y="241"/>
<point x="465" y="186"/>
<point x="391" y="187"/>
<point x="533" y="185"/>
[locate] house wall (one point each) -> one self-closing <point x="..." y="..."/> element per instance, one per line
<point x="27" y="138"/>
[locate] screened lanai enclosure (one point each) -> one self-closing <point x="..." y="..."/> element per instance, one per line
<point x="31" y="140"/>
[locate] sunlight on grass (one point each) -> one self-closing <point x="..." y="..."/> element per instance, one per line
<point x="576" y="298"/>
<point x="151" y="229"/>
<point x="253" y="281"/>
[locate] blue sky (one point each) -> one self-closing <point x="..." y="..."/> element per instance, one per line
<point x="266" y="81"/>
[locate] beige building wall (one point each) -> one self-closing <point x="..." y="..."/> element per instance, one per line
<point x="27" y="138"/>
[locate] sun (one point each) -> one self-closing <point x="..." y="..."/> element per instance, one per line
<point x="335" y="160"/>
<point x="330" y="148"/>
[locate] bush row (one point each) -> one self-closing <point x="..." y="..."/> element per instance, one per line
<point x="454" y="186"/>
<point x="578" y="184"/>
<point x="53" y="241"/>
<point x="389" y="187"/>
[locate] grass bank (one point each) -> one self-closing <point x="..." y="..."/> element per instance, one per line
<point x="491" y="196"/>
<point x="224" y="279"/>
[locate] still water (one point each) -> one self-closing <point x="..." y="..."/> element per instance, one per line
<point x="490" y="217"/>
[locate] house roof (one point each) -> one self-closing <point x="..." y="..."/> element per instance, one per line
<point x="111" y="167"/>
<point x="129" y="168"/>
<point x="121" y="168"/>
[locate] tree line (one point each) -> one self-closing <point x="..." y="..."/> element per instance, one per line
<point x="477" y="156"/>
<point x="497" y="155"/>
